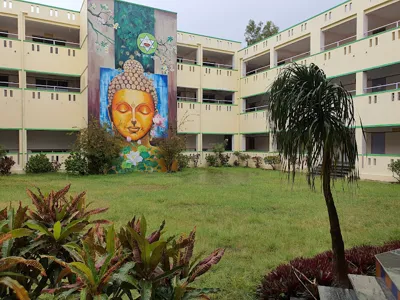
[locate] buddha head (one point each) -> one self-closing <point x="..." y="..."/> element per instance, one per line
<point x="132" y="102"/>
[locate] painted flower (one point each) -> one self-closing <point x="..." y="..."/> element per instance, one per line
<point x="139" y="142"/>
<point x="93" y="6"/>
<point x="116" y="26"/>
<point x="134" y="158"/>
<point x="153" y="133"/>
<point x="129" y="139"/>
<point x="106" y="48"/>
<point x="159" y="120"/>
<point x="104" y="6"/>
<point x="100" y="20"/>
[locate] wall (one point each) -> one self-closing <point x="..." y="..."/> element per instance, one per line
<point x="392" y="143"/>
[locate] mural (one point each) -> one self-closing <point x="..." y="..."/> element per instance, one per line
<point x="132" y="84"/>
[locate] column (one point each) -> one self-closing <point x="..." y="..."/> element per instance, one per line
<point x="243" y="67"/>
<point x="243" y="143"/>
<point x="199" y="142"/>
<point x="274" y="58"/>
<point x="199" y="54"/>
<point x="272" y="143"/>
<point x="317" y="41"/>
<point x="361" y="82"/>
<point x="362" y="25"/>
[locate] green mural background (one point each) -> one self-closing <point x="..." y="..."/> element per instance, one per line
<point x="129" y="29"/>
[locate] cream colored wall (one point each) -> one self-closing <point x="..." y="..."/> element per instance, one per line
<point x="189" y="117"/>
<point x="254" y="122"/>
<point x="220" y="79"/>
<point x="10" y="53"/>
<point x="209" y="42"/>
<point x="219" y="118"/>
<point x="392" y="143"/>
<point x="376" y="167"/>
<point x="189" y="75"/>
<point x="10" y="108"/>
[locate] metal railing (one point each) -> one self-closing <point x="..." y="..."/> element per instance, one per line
<point x="258" y="70"/>
<point x="221" y="66"/>
<point x="52" y="41"/>
<point x="217" y="101"/>
<point x="14" y="35"/>
<point x="384" y="87"/>
<point x="187" y="99"/>
<point x="187" y="61"/>
<point x="257" y="108"/>
<point x="384" y="27"/>
<point x="52" y="88"/>
<point x="340" y="42"/>
<point x="293" y="58"/>
<point x="353" y="92"/>
<point x="8" y="84"/>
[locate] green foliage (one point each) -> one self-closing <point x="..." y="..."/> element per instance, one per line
<point x="183" y="161"/>
<point x="258" y="161"/>
<point x="171" y="148"/>
<point x="244" y="158"/>
<point x="39" y="163"/>
<point x="3" y="152"/>
<point x="98" y="146"/>
<point x="258" y="32"/>
<point x="195" y="159"/>
<point x="395" y="168"/>
<point x="221" y="159"/>
<point x="211" y="160"/>
<point x="76" y="164"/>
<point x="273" y="161"/>
<point x="6" y="164"/>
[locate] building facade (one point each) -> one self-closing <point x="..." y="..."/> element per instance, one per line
<point x="221" y="87"/>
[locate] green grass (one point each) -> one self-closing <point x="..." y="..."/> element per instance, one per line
<point x="258" y="216"/>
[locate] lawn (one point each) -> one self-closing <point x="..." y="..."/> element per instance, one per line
<point x="258" y="216"/>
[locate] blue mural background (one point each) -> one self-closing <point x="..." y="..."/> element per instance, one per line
<point x="160" y="83"/>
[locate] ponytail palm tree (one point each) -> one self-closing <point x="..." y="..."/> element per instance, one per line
<point x="313" y="121"/>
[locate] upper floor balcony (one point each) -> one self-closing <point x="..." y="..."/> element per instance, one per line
<point x="10" y="100"/>
<point x="382" y="19"/>
<point x="339" y="35"/>
<point x="218" y="71"/>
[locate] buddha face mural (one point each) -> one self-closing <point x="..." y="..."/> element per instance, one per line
<point x="132" y="102"/>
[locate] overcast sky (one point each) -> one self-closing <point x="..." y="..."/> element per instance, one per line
<point x="227" y="18"/>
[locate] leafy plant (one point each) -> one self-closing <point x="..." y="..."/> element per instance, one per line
<point x="6" y="163"/>
<point x="56" y="166"/>
<point x="273" y="161"/>
<point x="183" y="161"/>
<point x="170" y="148"/>
<point x="301" y="276"/>
<point x="98" y="146"/>
<point x="313" y="118"/>
<point x="257" y="161"/>
<point x="195" y="159"/>
<point x="244" y="158"/>
<point x="39" y="163"/>
<point x="237" y="154"/>
<point x="211" y="160"/>
<point x="3" y="152"/>
<point x="76" y="164"/>
<point x="394" y="167"/>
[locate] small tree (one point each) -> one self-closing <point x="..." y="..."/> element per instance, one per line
<point x="395" y="168"/>
<point x="39" y="163"/>
<point x="171" y="148"/>
<point x="99" y="146"/>
<point x="258" y="161"/>
<point x="257" y="32"/>
<point x="313" y="118"/>
<point x="273" y="161"/>
<point x="6" y="162"/>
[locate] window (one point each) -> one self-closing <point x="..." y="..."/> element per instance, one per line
<point x="37" y="9"/>
<point x="51" y="12"/>
<point x="4" y="33"/>
<point x="4" y="80"/>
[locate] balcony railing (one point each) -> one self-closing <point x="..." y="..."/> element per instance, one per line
<point x="257" y="108"/>
<point x="353" y="92"/>
<point x="187" y="99"/>
<point x="186" y="61"/>
<point x="217" y="101"/>
<point x="382" y="28"/>
<point x="383" y="87"/>
<point x="258" y="70"/>
<point x="9" y="84"/>
<point x="52" y="42"/>
<point x="338" y="43"/>
<point x="293" y="58"/>
<point x="216" y="65"/>
<point x="12" y="35"/>
<point x="52" y="88"/>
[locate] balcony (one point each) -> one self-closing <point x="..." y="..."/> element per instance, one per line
<point x="10" y="45"/>
<point x="339" y="35"/>
<point x="9" y="139"/>
<point x="188" y="116"/>
<point x="210" y="140"/>
<point x="10" y="100"/>
<point x="258" y="143"/>
<point x="219" y="118"/>
<point x="382" y="19"/>
<point x="220" y="79"/>
<point x="254" y="122"/>
<point x="189" y="75"/>
<point x="187" y="55"/>
<point x="257" y="65"/>
<point x="294" y="51"/>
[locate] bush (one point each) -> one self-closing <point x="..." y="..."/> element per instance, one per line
<point x="395" y="168"/>
<point x="76" y="164"/>
<point x="257" y="161"/>
<point x="273" y="161"/>
<point x="39" y="163"/>
<point x="183" y="161"/>
<point x="212" y="160"/>
<point x="244" y="158"/>
<point x="57" y="249"/>
<point x="195" y="159"/>
<point x="99" y="146"/>
<point x="284" y="282"/>
<point x="3" y="152"/>
<point x="6" y="164"/>
<point x="171" y="147"/>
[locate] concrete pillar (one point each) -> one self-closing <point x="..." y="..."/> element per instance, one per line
<point x="243" y="143"/>
<point x="272" y="143"/>
<point x="23" y="147"/>
<point x="199" y="54"/>
<point x="199" y="142"/>
<point x="317" y="41"/>
<point x="361" y="82"/>
<point x="362" y="25"/>
<point x="244" y="68"/>
<point x="200" y="95"/>
<point x="274" y="58"/>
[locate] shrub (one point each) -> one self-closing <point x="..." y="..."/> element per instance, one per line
<point x="244" y="158"/>
<point x="293" y="279"/>
<point x="76" y="163"/>
<point x="395" y="168"/>
<point x="3" y="152"/>
<point x="212" y="160"/>
<point x="171" y="147"/>
<point x="56" y="166"/>
<point x="195" y="159"/>
<point x="224" y="160"/>
<point x="99" y="146"/>
<point x="273" y="161"/>
<point x="39" y="163"/>
<point x="237" y="154"/>
<point x="258" y="161"/>
<point x="6" y="164"/>
<point x="183" y="161"/>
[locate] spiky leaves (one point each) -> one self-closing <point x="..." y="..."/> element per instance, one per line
<point x="311" y="116"/>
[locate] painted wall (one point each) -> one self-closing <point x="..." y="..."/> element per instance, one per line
<point x="132" y="82"/>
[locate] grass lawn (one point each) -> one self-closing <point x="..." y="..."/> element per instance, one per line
<point x="258" y="216"/>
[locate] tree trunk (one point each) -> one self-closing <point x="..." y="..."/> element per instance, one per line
<point x="339" y="263"/>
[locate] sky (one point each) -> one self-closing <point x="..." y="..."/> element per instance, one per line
<point x="227" y="18"/>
